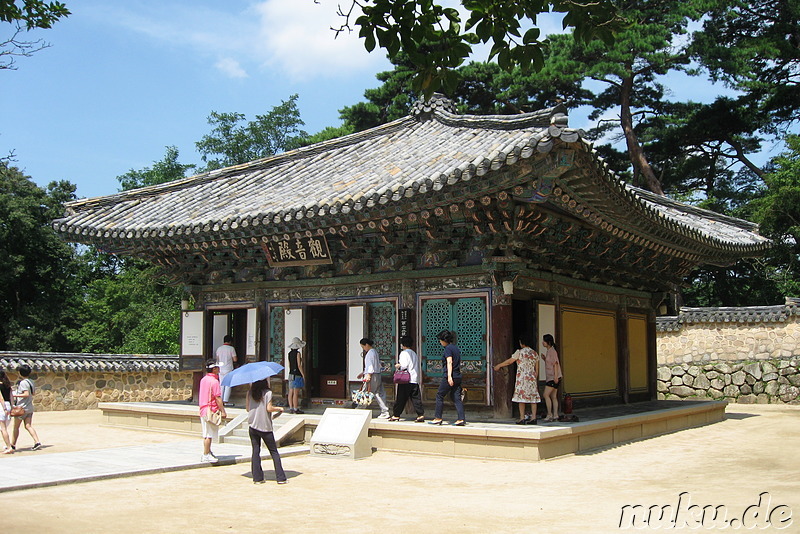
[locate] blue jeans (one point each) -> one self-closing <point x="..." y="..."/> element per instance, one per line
<point x="455" y="394"/>
<point x="255" y="460"/>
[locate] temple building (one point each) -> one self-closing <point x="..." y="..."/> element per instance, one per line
<point x="489" y="226"/>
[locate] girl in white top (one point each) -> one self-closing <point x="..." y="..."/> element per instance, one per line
<point x="259" y="417"/>
<point x="408" y="361"/>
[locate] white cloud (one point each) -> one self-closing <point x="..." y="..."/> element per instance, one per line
<point x="296" y="37"/>
<point x="231" y="68"/>
<point x="292" y="36"/>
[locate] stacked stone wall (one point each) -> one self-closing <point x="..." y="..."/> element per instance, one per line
<point x="745" y="355"/>
<point x="82" y="391"/>
<point x="79" y="382"/>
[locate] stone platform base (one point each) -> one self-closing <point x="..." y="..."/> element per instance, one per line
<point x="484" y="438"/>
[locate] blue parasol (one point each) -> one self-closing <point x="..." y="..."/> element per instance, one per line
<point x="251" y="372"/>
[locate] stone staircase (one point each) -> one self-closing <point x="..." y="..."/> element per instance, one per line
<point x="287" y="428"/>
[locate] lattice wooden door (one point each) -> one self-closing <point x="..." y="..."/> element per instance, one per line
<point x="466" y="317"/>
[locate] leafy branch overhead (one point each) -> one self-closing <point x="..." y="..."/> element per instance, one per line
<point x="32" y="13"/>
<point x="436" y="41"/>
<point x="28" y="15"/>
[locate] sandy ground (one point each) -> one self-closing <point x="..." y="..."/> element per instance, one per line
<point x="755" y="450"/>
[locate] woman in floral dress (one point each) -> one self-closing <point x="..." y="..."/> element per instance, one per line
<point x="526" y="389"/>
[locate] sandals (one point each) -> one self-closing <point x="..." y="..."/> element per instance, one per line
<point x="460" y="422"/>
<point x="522" y="422"/>
<point x="420" y="419"/>
<point x="394" y="418"/>
<point x="435" y="422"/>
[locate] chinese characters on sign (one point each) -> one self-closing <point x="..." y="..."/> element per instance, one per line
<point x="405" y="320"/>
<point x="298" y="251"/>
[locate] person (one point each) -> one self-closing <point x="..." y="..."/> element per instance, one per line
<point x="526" y="387"/>
<point x="5" y="410"/>
<point x="226" y="357"/>
<point x="372" y="375"/>
<point x="210" y="398"/>
<point x="297" y="375"/>
<point x="408" y="361"/>
<point x="259" y="416"/>
<point x="553" y="375"/>
<point x="24" y="398"/>
<point x="451" y="379"/>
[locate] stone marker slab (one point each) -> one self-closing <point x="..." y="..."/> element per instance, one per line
<point x="342" y="434"/>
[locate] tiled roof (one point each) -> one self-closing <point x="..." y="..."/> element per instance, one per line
<point x="100" y="363"/>
<point x="428" y="151"/>
<point x="749" y="314"/>
<point x="704" y="222"/>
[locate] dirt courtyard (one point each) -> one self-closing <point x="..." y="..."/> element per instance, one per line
<point x="752" y="457"/>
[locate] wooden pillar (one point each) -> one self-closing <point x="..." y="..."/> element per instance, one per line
<point x="652" y="355"/>
<point x="500" y="350"/>
<point x="623" y="355"/>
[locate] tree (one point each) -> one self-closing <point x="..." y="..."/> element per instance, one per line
<point x="432" y="38"/>
<point x="754" y="46"/>
<point x="778" y="213"/>
<point x="483" y="89"/>
<point x="25" y="16"/>
<point x="32" y="13"/>
<point x="39" y="273"/>
<point x="166" y="170"/>
<point x="653" y="45"/>
<point x="277" y="131"/>
<point x="126" y="307"/>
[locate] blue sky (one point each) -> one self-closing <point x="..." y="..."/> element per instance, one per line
<point x="123" y="80"/>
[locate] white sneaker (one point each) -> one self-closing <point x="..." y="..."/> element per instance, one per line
<point x="384" y="415"/>
<point x="212" y="459"/>
<point x="204" y="458"/>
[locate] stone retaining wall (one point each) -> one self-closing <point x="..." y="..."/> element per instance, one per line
<point x="80" y="381"/>
<point x="746" y="355"/>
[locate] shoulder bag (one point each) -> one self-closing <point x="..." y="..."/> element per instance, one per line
<point x="17" y="410"/>
<point x="215" y="418"/>
<point x="402" y="376"/>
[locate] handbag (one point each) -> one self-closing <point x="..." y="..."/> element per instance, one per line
<point x="18" y="410"/>
<point x="402" y="376"/>
<point x="215" y="418"/>
<point x="362" y="397"/>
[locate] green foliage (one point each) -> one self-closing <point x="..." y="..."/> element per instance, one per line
<point x="126" y="306"/>
<point x="327" y="134"/>
<point x="754" y="46"/>
<point x="126" y="309"/>
<point x="484" y="89"/>
<point x="32" y="13"/>
<point x="166" y="170"/>
<point x="269" y="134"/>
<point x="436" y="41"/>
<point x="778" y="210"/>
<point x="39" y="274"/>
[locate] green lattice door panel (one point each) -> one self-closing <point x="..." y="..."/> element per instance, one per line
<point x="382" y="329"/>
<point x="466" y="317"/>
<point x="276" y="335"/>
<point x="435" y="318"/>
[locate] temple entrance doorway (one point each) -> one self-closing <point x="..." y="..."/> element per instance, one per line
<point x="228" y="323"/>
<point x="326" y="367"/>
